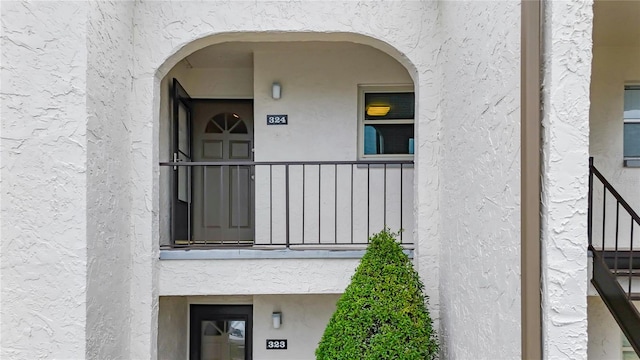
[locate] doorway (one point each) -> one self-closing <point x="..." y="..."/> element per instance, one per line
<point x="213" y="196"/>
<point x="224" y="201"/>
<point x="221" y="332"/>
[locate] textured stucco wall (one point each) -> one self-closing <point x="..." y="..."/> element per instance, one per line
<point x="44" y="155"/>
<point x="173" y="323"/>
<point x="605" y="337"/>
<point x="480" y="180"/>
<point x="109" y="47"/>
<point x="165" y="33"/>
<point x="304" y="318"/>
<point x="257" y="276"/>
<point x="467" y="160"/>
<point x="566" y="78"/>
<point x="613" y="66"/>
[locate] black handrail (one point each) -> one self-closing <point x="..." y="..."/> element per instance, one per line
<point x="282" y="163"/>
<point x="613" y="191"/>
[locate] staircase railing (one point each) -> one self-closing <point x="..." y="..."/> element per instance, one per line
<point x="615" y="261"/>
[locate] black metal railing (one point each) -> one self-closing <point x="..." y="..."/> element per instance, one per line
<point x="616" y="236"/>
<point x="615" y="256"/>
<point x="292" y="204"/>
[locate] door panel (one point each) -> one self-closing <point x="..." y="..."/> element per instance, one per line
<point x="215" y="196"/>
<point x="223" y="195"/>
<point x="239" y="197"/>
<point x="212" y="149"/>
<point x="221" y="332"/>
<point x="240" y="149"/>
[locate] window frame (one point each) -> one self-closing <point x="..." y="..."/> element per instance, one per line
<point x="391" y="88"/>
<point x="625" y="346"/>
<point x="629" y="161"/>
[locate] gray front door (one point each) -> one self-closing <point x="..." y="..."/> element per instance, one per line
<point x="223" y="198"/>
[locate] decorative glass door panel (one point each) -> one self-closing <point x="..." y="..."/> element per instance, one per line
<point x="222" y="340"/>
<point x="221" y="332"/>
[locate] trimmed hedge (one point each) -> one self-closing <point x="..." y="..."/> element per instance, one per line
<point x="382" y="313"/>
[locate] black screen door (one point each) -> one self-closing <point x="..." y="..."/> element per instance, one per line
<point x="221" y="332"/>
<point x="181" y="206"/>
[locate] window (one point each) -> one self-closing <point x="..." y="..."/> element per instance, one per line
<point x="627" y="351"/>
<point x="631" y="145"/>
<point x="386" y="122"/>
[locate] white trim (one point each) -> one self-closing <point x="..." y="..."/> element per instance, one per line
<point x="380" y="88"/>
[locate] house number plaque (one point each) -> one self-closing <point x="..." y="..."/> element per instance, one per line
<point x="277" y="119"/>
<point x="276" y="344"/>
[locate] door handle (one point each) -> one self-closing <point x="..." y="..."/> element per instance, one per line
<point x="175" y="160"/>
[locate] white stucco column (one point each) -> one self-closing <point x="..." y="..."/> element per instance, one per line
<point x="567" y="69"/>
<point x="479" y="179"/>
<point x="109" y="46"/>
<point x="43" y="204"/>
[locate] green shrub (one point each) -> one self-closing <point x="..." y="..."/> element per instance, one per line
<point x="382" y="313"/>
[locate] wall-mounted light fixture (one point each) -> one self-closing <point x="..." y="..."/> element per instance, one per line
<point x="276" y="90"/>
<point x="277" y="319"/>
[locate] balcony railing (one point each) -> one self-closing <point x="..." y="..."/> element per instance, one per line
<point x="287" y="204"/>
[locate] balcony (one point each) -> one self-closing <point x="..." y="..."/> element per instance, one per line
<point x="322" y="205"/>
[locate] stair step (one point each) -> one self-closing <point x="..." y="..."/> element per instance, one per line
<point x="620" y="272"/>
<point x="634" y="296"/>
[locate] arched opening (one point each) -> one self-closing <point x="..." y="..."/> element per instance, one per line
<point x="285" y="143"/>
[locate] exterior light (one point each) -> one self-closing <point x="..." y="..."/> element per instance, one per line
<point x="276" y="90"/>
<point x="378" y="110"/>
<point x="277" y="319"/>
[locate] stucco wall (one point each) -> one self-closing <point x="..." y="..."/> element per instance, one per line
<point x="612" y="67"/>
<point x="161" y="37"/>
<point x="168" y="30"/>
<point x="320" y="81"/>
<point x="44" y="180"/>
<point x="605" y="337"/>
<point x="304" y="318"/>
<point x="255" y="276"/>
<point x="466" y="154"/>
<point x="566" y="78"/>
<point x="173" y="323"/>
<point x="109" y="46"/>
<point x="480" y="180"/>
<point x="320" y="95"/>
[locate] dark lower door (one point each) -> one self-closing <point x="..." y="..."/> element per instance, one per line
<point x="220" y="332"/>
